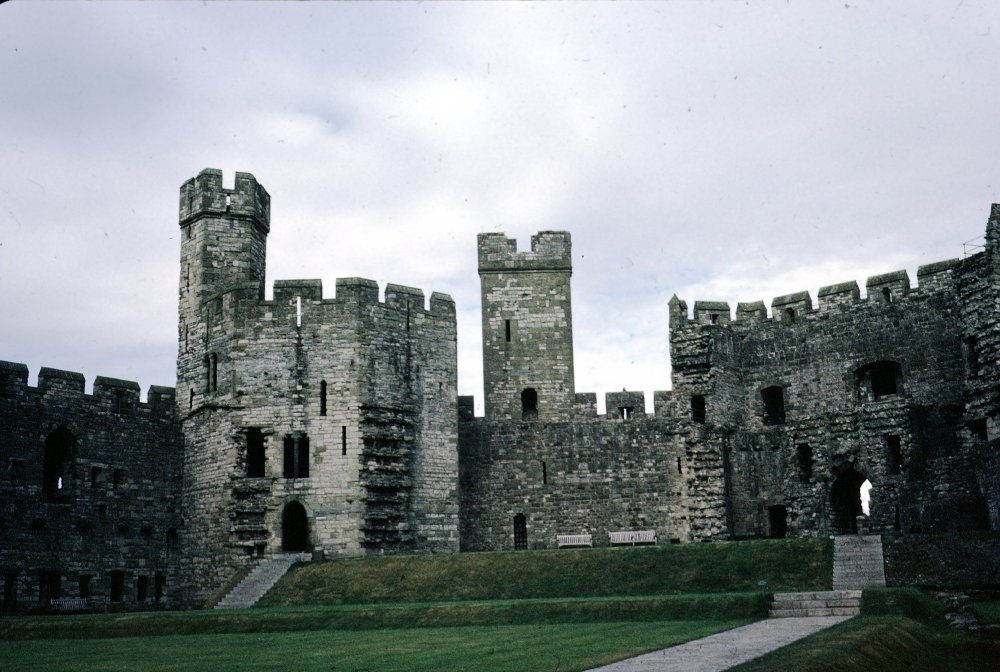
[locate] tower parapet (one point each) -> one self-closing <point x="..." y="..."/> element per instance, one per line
<point x="204" y="196"/>
<point x="527" y="326"/>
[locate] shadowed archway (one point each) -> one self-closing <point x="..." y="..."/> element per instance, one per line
<point x="845" y="502"/>
<point x="294" y="528"/>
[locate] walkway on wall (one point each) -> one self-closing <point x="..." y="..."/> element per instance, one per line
<point x="256" y="584"/>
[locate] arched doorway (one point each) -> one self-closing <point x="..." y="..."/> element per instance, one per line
<point x="845" y="502"/>
<point x="294" y="528"/>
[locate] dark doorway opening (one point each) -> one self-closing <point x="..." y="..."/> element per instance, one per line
<point x="529" y="404"/>
<point x="777" y="521"/>
<point x="520" y="533"/>
<point x="845" y="502"/>
<point x="294" y="528"/>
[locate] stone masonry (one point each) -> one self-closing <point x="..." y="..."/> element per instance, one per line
<point x="306" y="424"/>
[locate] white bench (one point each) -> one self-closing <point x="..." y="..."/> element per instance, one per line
<point x="69" y="603"/>
<point x="632" y="537"/>
<point x="574" y="540"/>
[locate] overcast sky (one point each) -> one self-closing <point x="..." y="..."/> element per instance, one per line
<point x="715" y="150"/>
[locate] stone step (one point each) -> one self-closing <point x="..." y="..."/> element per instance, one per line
<point x="812" y="613"/>
<point x="260" y="580"/>
<point x="821" y="603"/>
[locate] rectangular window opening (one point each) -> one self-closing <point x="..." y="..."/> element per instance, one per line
<point x="343" y="440"/>
<point x="506" y="325"/>
<point x="893" y="454"/>
<point x="698" y="408"/>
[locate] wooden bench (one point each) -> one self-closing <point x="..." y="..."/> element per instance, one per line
<point x="70" y="603"/>
<point x="564" y="540"/>
<point x="632" y="537"/>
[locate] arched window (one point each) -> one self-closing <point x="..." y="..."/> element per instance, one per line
<point x="529" y="403"/>
<point x="56" y="467"/>
<point x="520" y="532"/>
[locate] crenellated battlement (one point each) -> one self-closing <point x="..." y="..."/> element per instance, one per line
<point x="887" y="288"/>
<point x="550" y="251"/>
<point x="204" y="195"/>
<point x="120" y="395"/>
<point x="352" y="292"/>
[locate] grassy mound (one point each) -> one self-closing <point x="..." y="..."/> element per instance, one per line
<point x="722" y="567"/>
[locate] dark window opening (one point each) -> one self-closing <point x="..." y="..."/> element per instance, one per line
<point x="805" y="455"/>
<point x="9" y="589"/>
<point x="626" y="412"/>
<point x="191" y="400"/>
<point x="17" y="471"/>
<point x="713" y="318"/>
<point x="774" y="405"/>
<point x="208" y="373"/>
<point x="520" y="533"/>
<point x="96" y="477"/>
<point x="142" y="588"/>
<point x="215" y="372"/>
<point x="322" y="397"/>
<point x="529" y="404"/>
<point x="343" y="440"/>
<point x="679" y="470"/>
<point x="878" y="380"/>
<point x="896" y="525"/>
<point x="118" y="478"/>
<point x="777" y="517"/>
<point x="545" y="473"/>
<point x="296" y="462"/>
<point x="886" y="295"/>
<point x="159" y="584"/>
<point x="972" y="356"/>
<point x="49" y="586"/>
<point x="294" y="528"/>
<point x="256" y="459"/>
<point x="893" y="454"/>
<point x="789" y="315"/>
<point x="979" y="430"/>
<point x="117" y="585"/>
<point x="506" y="327"/>
<point x="84" y="583"/>
<point x="56" y="468"/>
<point x="698" y="408"/>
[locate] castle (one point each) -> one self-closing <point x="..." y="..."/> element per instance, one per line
<point x="333" y="426"/>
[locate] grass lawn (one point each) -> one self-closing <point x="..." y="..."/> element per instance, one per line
<point x="899" y="630"/>
<point x="520" y="648"/>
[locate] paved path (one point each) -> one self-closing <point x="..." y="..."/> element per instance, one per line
<point x="725" y="649"/>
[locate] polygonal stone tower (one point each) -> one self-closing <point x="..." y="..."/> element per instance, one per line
<point x="527" y="327"/>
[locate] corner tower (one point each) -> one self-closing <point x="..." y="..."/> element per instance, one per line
<point x="223" y="246"/>
<point x="527" y="326"/>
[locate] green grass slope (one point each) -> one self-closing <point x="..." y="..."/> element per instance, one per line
<point x="787" y="564"/>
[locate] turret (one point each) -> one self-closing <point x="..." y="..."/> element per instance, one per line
<point x="527" y="327"/>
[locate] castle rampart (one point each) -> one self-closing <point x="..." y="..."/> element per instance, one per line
<point x="90" y="491"/>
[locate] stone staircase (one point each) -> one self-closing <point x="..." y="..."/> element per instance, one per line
<point x="857" y="564"/>
<point x="825" y="603"/>
<point x="259" y="580"/>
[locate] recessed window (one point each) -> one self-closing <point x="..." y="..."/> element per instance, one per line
<point x="774" y="405"/>
<point x="520" y="532"/>
<point x="506" y="329"/>
<point x="878" y="380"/>
<point x="625" y="412"/>
<point x="296" y="462"/>
<point x="255" y="453"/>
<point x="804" y="454"/>
<point x="893" y="455"/>
<point x="972" y="356"/>
<point x="698" y="408"/>
<point x="789" y="315"/>
<point x="322" y="397"/>
<point x="529" y="404"/>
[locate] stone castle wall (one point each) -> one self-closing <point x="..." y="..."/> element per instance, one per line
<point x="89" y="491"/>
<point x="350" y="401"/>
